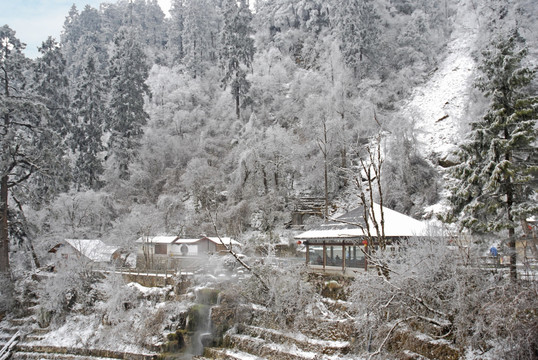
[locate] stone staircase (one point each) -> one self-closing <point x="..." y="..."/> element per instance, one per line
<point x="28" y="344"/>
<point x="253" y="342"/>
<point x="12" y="331"/>
<point x="30" y="352"/>
<point x="22" y="336"/>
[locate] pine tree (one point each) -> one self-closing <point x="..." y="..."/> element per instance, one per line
<point x="199" y="43"/>
<point x="50" y="87"/>
<point x="237" y="50"/>
<point x="175" y="30"/>
<point x="494" y="190"/>
<point x="51" y="84"/>
<point x="128" y="73"/>
<point x="358" y="25"/>
<point x="89" y="119"/>
<point x="83" y="33"/>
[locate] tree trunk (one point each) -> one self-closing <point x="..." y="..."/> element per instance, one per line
<point x="513" y="253"/>
<point x="509" y="204"/>
<point x="511" y="232"/>
<point x="237" y="109"/>
<point x="265" y="184"/>
<point x="4" y="231"/>
<point x="325" y="172"/>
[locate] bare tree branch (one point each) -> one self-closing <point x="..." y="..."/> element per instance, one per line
<point x="234" y="254"/>
<point x="378" y="351"/>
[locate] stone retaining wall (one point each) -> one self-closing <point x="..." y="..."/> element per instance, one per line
<point x="84" y="352"/>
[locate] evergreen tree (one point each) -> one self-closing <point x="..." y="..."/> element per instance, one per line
<point x="128" y="73"/>
<point x="358" y="25"/>
<point x="28" y="143"/>
<point x="50" y="87"/>
<point x="237" y="50"/>
<point x="71" y="30"/>
<point x="199" y="36"/>
<point x="89" y="119"/>
<point x="175" y="30"/>
<point x="494" y="191"/>
<point x="82" y="33"/>
<point x="51" y="84"/>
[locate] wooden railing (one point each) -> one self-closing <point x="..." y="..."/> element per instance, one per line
<point x="6" y="351"/>
<point x="147" y="272"/>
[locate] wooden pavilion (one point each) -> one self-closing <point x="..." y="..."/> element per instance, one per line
<point x="342" y="242"/>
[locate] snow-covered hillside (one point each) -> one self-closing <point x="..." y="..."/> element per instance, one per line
<point x="438" y="107"/>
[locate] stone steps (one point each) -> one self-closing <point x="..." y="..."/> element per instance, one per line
<point x="6" y="333"/>
<point x="260" y="343"/>
<point x="268" y="350"/>
<point x="22" y="355"/>
<point x="229" y="354"/>
<point x="34" y="337"/>
<point x="6" y="350"/>
<point x="331" y="330"/>
<point x="319" y="339"/>
<point x="26" y="351"/>
<point x="410" y="355"/>
<point x="417" y="346"/>
<point x="299" y="340"/>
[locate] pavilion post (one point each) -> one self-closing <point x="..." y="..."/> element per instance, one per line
<point x="366" y="256"/>
<point x="324" y="255"/>
<point x="343" y="257"/>
<point x="307" y="253"/>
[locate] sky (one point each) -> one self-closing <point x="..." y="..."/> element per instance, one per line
<point x="35" y="20"/>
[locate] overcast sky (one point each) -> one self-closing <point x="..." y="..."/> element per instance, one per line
<point x="35" y="20"/>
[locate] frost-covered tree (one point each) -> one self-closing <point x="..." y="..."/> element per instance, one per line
<point x="73" y="284"/>
<point x="79" y="215"/>
<point x="175" y="30"/>
<point x="128" y="73"/>
<point x="199" y="36"/>
<point x="436" y="292"/>
<point x="237" y="49"/>
<point x="410" y="182"/>
<point x="28" y="144"/>
<point x="89" y="118"/>
<point x="51" y="84"/>
<point x="494" y="190"/>
<point x="358" y="25"/>
<point x="83" y="32"/>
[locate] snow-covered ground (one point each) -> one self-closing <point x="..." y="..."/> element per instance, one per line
<point x="438" y="107"/>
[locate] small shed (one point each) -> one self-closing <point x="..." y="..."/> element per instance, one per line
<point x="174" y="251"/>
<point x="155" y="245"/>
<point x="341" y="242"/>
<point x="89" y="250"/>
<point x="219" y="244"/>
<point x="178" y="246"/>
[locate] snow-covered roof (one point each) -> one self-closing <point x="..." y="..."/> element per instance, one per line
<point x="166" y="239"/>
<point x="225" y="240"/>
<point x="159" y="239"/>
<point x="93" y="249"/>
<point x="351" y="224"/>
<point x="179" y="241"/>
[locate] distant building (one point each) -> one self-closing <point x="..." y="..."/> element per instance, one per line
<point x="86" y="250"/>
<point x="171" y="252"/>
<point x="340" y="243"/>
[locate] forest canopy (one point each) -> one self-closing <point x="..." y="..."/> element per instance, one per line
<point x="224" y="107"/>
